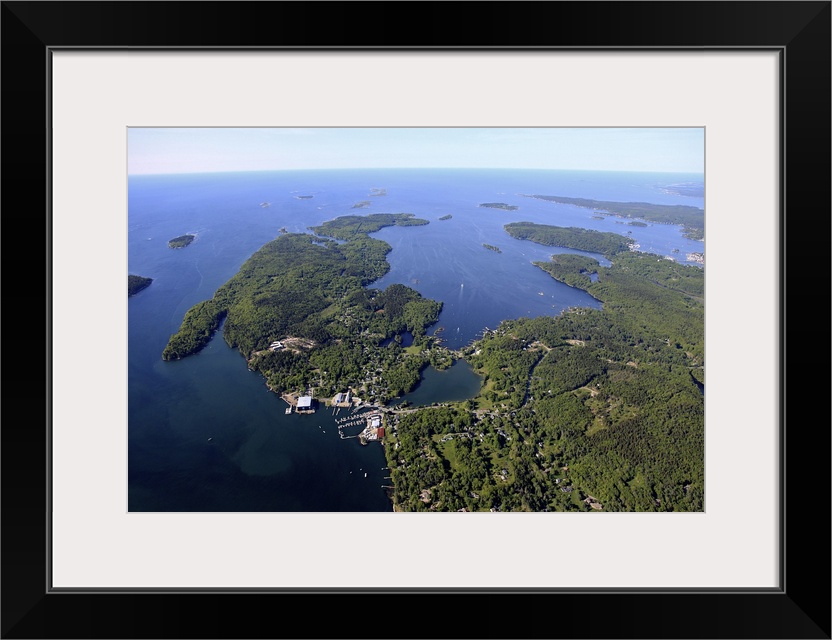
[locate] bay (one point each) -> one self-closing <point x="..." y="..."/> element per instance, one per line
<point x="457" y="382"/>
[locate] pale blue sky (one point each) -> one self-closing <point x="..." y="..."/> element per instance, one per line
<point x="198" y="150"/>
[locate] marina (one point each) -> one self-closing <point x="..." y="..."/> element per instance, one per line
<point x="371" y="421"/>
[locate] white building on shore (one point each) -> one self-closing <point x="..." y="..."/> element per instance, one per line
<point x="305" y="405"/>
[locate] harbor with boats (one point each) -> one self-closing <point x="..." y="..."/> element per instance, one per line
<point x="356" y="412"/>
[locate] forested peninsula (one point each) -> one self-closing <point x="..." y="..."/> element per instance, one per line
<point x="308" y="291"/>
<point x="592" y="410"/>
<point x="692" y="219"/>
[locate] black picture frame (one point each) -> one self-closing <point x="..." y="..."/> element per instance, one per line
<point x="799" y="31"/>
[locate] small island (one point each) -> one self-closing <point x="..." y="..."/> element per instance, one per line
<point x="136" y="284"/>
<point x="446" y="217"/>
<point x="181" y="241"/>
<point x="361" y="205"/>
<point x="375" y="191"/>
<point x="304" y="197"/>
<point x="500" y="205"/>
<point x="491" y="247"/>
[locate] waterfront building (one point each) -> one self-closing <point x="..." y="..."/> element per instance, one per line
<point x="305" y="405"/>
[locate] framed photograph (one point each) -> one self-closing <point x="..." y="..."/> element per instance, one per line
<point x="134" y="487"/>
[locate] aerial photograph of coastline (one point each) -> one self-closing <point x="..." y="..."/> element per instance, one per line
<point x="416" y="319"/>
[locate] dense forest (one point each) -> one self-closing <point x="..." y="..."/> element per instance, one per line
<point x="309" y="291"/>
<point x="348" y="227"/>
<point x="569" y="268"/>
<point x="136" y="284"/>
<point x="592" y="410"/>
<point x="181" y="241"/>
<point x="692" y="219"/>
<point x="603" y="242"/>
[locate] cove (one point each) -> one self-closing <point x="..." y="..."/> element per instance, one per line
<point x="456" y="383"/>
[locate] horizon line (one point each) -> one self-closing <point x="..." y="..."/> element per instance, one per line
<point x="170" y="173"/>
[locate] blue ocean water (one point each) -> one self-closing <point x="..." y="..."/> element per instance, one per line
<point x="206" y="435"/>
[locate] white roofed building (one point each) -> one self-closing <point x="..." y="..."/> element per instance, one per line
<point x="305" y="404"/>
